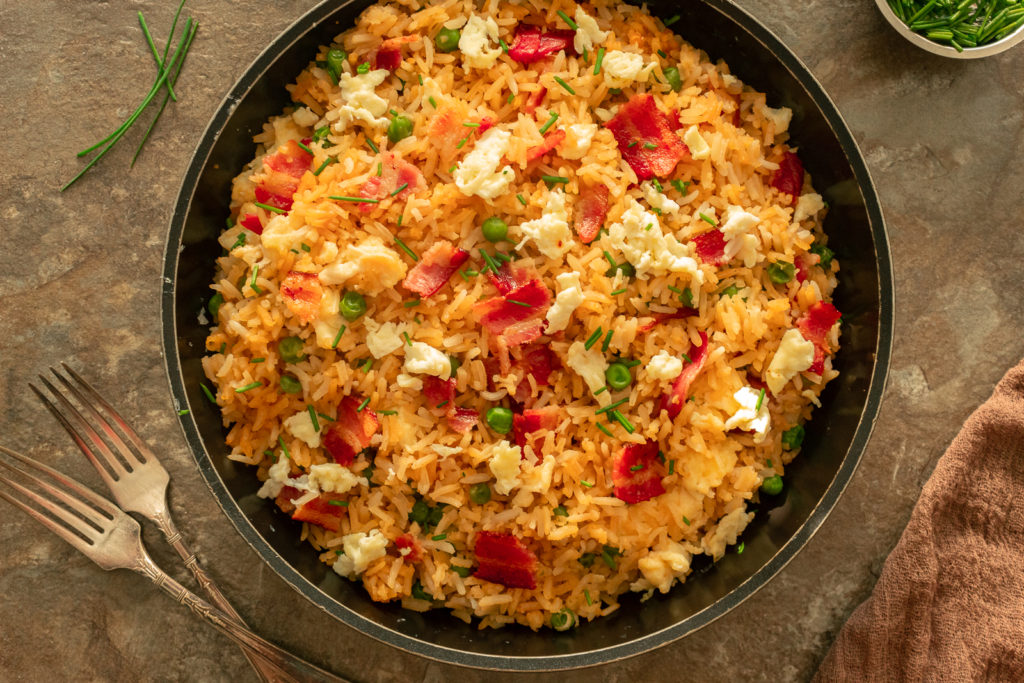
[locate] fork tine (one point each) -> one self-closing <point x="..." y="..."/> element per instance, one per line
<point x="74" y="422"/>
<point x="132" y="435"/>
<point x="115" y="438"/>
<point x="46" y="507"/>
<point x="46" y="521"/>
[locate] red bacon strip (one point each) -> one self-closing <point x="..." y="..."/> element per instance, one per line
<point x="251" y="221"/>
<point x="302" y="293"/>
<point x="434" y="269"/>
<point x="637" y="473"/>
<point x="463" y="420"/>
<point x="659" y="318"/>
<point x="540" y="362"/>
<point x="535" y="100"/>
<point x="409" y="541"/>
<point x="710" y="247"/>
<point x="318" y="511"/>
<point x="673" y="401"/>
<point x="647" y="139"/>
<point x="486" y="123"/>
<point x="395" y="173"/>
<point x="789" y="177"/>
<point x="502" y="558"/>
<point x="351" y="432"/>
<point x="500" y="314"/>
<point x="551" y="140"/>
<point x="815" y="326"/>
<point x="591" y="210"/>
<point x="389" y="54"/>
<point x="508" y="278"/>
<point x="530" y="421"/>
<point x="439" y="391"/>
<point x="289" y="159"/>
<point x="532" y="43"/>
<point x="284" y="169"/>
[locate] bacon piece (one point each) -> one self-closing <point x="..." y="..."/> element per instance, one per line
<point x="802" y="265"/>
<point x="673" y="401"/>
<point x="815" y="326"/>
<point x="282" y="172"/>
<point x="500" y="313"/>
<point x="251" y="221"/>
<point x="789" y="177"/>
<point x="535" y="100"/>
<point x="551" y="140"/>
<point x="646" y="138"/>
<point x="445" y="132"/>
<point x="502" y="558"/>
<point x="532" y="43"/>
<point x="351" y="432"/>
<point x="289" y="159"/>
<point x="434" y="269"/>
<point x="389" y="54"/>
<point x="637" y="473"/>
<point x="409" y="541"/>
<point x="530" y="421"/>
<point x="395" y="173"/>
<point x="711" y="247"/>
<point x="539" y="362"/>
<point x="439" y="391"/>
<point x="265" y="196"/>
<point x="463" y="420"/>
<point x="321" y="512"/>
<point x="508" y="278"/>
<point x="591" y="210"/>
<point x="659" y="318"/>
<point x="302" y="293"/>
<point x="486" y="123"/>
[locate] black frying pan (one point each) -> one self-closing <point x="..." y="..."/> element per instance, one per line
<point x="835" y="437"/>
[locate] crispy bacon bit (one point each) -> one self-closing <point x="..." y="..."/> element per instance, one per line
<point x="265" y="196"/>
<point x="463" y="420"/>
<point x="500" y="315"/>
<point x="646" y="138"/>
<point x="389" y="54"/>
<point x="434" y="269"/>
<point x="540" y="362"/>
<point x="502" y="558"/>
<point x="803" y="265"/>
<point x="535" y="100"/>
<point x="530" y="421"/>
<point x="410" y="542"/>
<point x="637" y="473"/>
<point x="659" y="318"/>
<point x="486" y="123"/>
<point x="815" y="326"/>
<point x="319" y="511"/>
<point x="395" y="173"/>
<point x="673" y="401"/>
<point x="289" y="159"/>
<point x="445" y="132"/>
<point x="439" y="392"/>
<point x="789" y="178"/>
<point x="711" y="247"/>
<point x="532" y="43"/>
<point x="282" y="172"/>
<point x="251" y="221"/>
<point x="591" y="210"/>
<point x="508" y="278"/>
<point x="351" y="432"/>
<point x="551" y="140"/>
<point x="302" y="293"/>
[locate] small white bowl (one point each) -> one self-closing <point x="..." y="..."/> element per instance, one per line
<point x="945" y="50"/>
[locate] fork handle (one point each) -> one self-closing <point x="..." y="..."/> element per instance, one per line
<point x="291" y="669"/>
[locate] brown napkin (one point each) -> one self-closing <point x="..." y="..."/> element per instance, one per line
<point x="949" y="605"/>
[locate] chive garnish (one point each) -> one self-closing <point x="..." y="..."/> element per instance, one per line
<point x="585" y="483"/>
<point x="519" y="303"/>
<point x="337" y="339"/>
<point x="387" y="412"/>
<point x="629" y="363"/>
<point x="462" y="142"/>
<point x="366" y="402"/>
<point x="327" y="162"/>
<point x="662" y="54"/>
<point x="565" y="85"/>
<point x="338" y="503"/>
<point x="636" y="468"/>
<point x="357" y="200"/>
<point x="554" y="179"/>
<point x="706" y="218"/>
<point x="560" y="511"/>
<point x="380" y="169"/>
<point x="439" y="537"/>
<point x="406" y="249"/>
<point x="312" y="418"/>
<point x="600" y="60"/>
<point x="623" y="421"/>
<point x="604" y="429"/>
<point x="760" y="400"/>
<point x="376" y="150"/>
<point x="671" y="20"/>
<point x="183" y="411"/>
<point x="452" y="169"/>
<point x="611" y="406"/>
<point x="633" y="144"/>
<point x="239" y="241"/>
<point x="672" y="288"/>
<point x="258" y="360"/>
<point x="248" y="387"/>
<point x="470" y="124"/>
<point x="608" y="257"/>
<point x="411" y="304"/>
<point x="405" y="335"/>
<point x="399" y="189"/>
<point x="586" y="594"/>
<point x="305" y="148"/>
<point x="567" y="20"/>
<point x="442" y="404"/>
<point x="619" y="291"/>
<point x="685" y="520"/>
<point x="550" y="122"/>
<point x="601" y="391"/>
<point x="208" y="393"/>
<point x="462" y="274"/>
<point x="268" y="207"/>
<point x="252" y="283"/>
<point x="607" y="341"/>
<point x="650" y="145"/>
<point x="490" y="261"/>
<point x="433" y="102"/>
<point x="367" y="364"/>
<point x="284" y="449"/>
<point x="521" y="199"/>
<point x="592" y="339"/>
<point x="503" y="44"/>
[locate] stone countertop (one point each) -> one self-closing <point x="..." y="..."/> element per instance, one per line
<point x="80" y="282"/>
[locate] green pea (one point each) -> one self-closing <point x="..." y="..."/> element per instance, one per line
<point x="793" y="437"/>
<point x="672" y="76"/>
<point x="419" y="593"/>
<point x="462" y="571"/>
<point x="456" y="364"/>
<point x="564" y="619"/>
<point x="290" y="384"/>
<point x="447" y="39"/>
<point x="352" y="307"/>
<point x="399" y="128"/>
<point x="419" y="513"/>
<point x="290" y="349"/>
<point x="500" y="419"/>
<point x="494" y="229"/>
<point x="824" y="254"/>
<point x="772" y="486"/>
<point x="336" y="62"/>
<point x="781" y="272"/>
<point x="618" y="376"/>
<point x="626" y="269"/>
<point x="479" y="493"/>
<point x="435" y="515"/>
<point x="214" y="304"/>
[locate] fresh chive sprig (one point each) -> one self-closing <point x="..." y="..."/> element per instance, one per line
<point x="960" y="23"/>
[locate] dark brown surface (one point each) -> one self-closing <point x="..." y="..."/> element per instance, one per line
<point x="80" y="281"/>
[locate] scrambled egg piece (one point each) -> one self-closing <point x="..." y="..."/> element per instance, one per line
<point x="369" y="267"/>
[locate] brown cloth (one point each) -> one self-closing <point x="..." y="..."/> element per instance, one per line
<point x="949" y="605"/>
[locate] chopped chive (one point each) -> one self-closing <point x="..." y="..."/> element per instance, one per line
<point x="604" y="429"/>
<point x="675" y="289"/>
<point x="586" y="594"/>
<point x="306" y="149"/>
<point x="706" y="218"/>
<point x="601" y="391"/>
<point x="490" y="261"/>
<point x="338" y="503"/>
<point x="671" y="466"/>
<point x="433" y="102"/>
<point x="519" y="303"/>
<point x="633" y="144"/>
<point x="248" y="387"/>
<point x="294" y="251"/>
<point x="239" y="241"/>
<point x="183" y="411"/>
<point x="442" y="404"/>
<point x="648" y="227"/>
<point x="380" y="169"/>
<point x="462" y="142"/>
<point x="312" y="418"/>
<point x="687" y="358"/>
<point x="439" y="537"/>
<point x="740" y="548"/>
<point x="554" y="179"/>
<point x="685" y="520"/>
<point x="376" y="150"/>
<point x="306" y="247"/>
<point x="636" y="468"/>
<point x="560" y="511"/>
<point x="411" y="304"/>
<point x="367" y="364"/>
<point x="760" y="400"/>
<point x="661" y="53"/>
<point x="399" y="189"/>
<point x="567" y="20"/>
<point x="258" y="360"/>
<point x="608" y="257"/>
<point x="470" y="124"/>
<point x="327" y="162"/>
<point x="357" y="200"/>
<point x="406" y="249"/>
<point x="650" y="145"/>
<point x="607" y="341"/>
<point x="387" y="412"/>
<point x="452" y="169"/>
<point x="681" y="186"/>
<point x="671" y="20"/>
<point x="630" y="363"/>
<point x="366" y="402"/>
<point x="550" y="122"/>
<point x="600" y="60"/>
<point x="657" y="185"/>
<point x="521" y="199"/>
<point x="223" y="348"/>
<point x="611" y="406"/>
<point x="337" y="339"/>
<point x="284" y="449"/>
<point x="420" y="77"/>
<point x="268" y="207"/>
<point x="623" y="421"/>
<point x="463" y="275"/>
<point x="585" y="483"/>
<point x="565" y="85"/>
<point x="619" y="291"/>
<point x="503" y="44"/>
<point x="325" y="417"/>
<point x="592" y="339"/>
<point x="405" y="335"/>
<point x="252" y="283"/>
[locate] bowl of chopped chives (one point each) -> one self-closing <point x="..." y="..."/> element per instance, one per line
<point x="960" y="29"/>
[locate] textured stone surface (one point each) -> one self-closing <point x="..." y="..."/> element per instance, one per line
<point x="80" y="281"/>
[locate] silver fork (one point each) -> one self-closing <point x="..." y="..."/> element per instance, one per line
<point x="134" y="475"/>
<point x="112" y="539"/>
